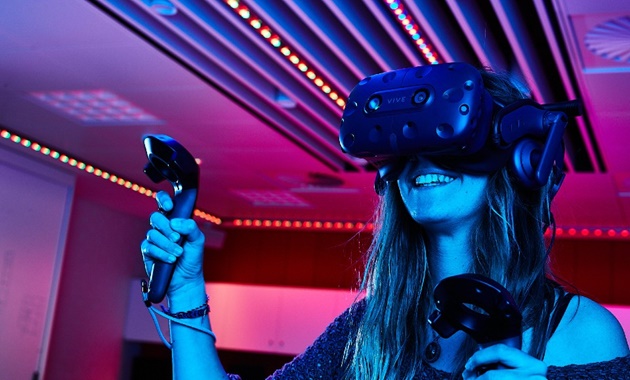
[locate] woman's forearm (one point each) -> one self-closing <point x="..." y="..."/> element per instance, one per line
<point x="194" y="352"/>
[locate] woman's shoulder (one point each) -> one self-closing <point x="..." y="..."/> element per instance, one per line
<point x="616" y="369"/>
<point x="346" y="322"/>
<point x="587" y="333"/>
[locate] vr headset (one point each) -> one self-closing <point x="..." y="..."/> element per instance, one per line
<point x="445" y="113"/>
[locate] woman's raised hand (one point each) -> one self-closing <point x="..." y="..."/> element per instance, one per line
<point x="161" y="244"/>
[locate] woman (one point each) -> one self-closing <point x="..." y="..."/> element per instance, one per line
<point x="434" y="221"/>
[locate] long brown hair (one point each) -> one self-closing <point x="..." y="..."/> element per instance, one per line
<point x="510" y="248"/>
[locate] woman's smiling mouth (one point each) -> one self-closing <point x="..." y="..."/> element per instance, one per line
<point x="426" y="180"/>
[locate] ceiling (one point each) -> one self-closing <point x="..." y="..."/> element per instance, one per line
<point x="265" y="134"/>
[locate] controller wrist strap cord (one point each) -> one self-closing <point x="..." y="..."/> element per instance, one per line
<point x="154" y="312"/>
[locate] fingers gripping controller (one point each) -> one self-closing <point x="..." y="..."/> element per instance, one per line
<point x="171" y="161"/>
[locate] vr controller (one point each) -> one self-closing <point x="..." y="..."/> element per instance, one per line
<point x="171" y="161"/>
<point x="496" y="320"/>
<point x="478" y="306"/>
<point x="445" y="112"/>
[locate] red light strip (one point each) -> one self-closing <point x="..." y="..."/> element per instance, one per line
<point x="91" y="169"/>
<point x="567" y="232"/>
<point x="592" y="232"/>
<point x="303" y="225"/>
<point x="289" y="54"/>
<point x="406" y="22"/>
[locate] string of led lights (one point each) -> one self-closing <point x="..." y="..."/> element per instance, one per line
<point x="594" y="232"/>
<point x="302" y="224"/>
<point x="571" y="232"/>
<point x="287" y="52"/>
<point x="91" y="169"/>
<point x="405" y="20"/>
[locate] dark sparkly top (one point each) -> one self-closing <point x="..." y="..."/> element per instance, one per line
<point x="323" y="359"/>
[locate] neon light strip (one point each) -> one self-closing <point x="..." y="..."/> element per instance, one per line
<point x="301" y="224"/>
<point x="298" y="63"/>
<point x="569" y="232"/>
<point x="405" y="20"/>
<point x="91" y="169"/>
<point x="593" y="232"/>
<point x="577" y="232"/>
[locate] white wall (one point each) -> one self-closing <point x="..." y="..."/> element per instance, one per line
<point x="102" y="255"/>
<point x="35" y="204"/>
<point x="65" y="263"/>
<point x="254" y="318"/>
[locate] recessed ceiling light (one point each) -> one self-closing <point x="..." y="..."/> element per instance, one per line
<point x="271" y="198"/>
<point x="162" y="7"/>
<point x="94" y="107"/>
<point x="283" y="100"/>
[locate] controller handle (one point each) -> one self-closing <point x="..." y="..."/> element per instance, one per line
<point x="171" y="161"/>
<point x="496" y="320"/>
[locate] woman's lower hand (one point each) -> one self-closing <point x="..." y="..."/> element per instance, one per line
<point x="512" y="364"/>
<point x="161" y="244"/>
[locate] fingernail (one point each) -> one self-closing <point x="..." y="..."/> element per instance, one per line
<point x="174" y="237"/>
<point x="171" y="259"/>
<point x="179" y="249"/>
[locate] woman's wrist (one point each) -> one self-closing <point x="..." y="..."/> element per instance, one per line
<point x="187" y="297"/>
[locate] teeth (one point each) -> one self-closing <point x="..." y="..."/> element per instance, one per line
<point x="433" y="179"/>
